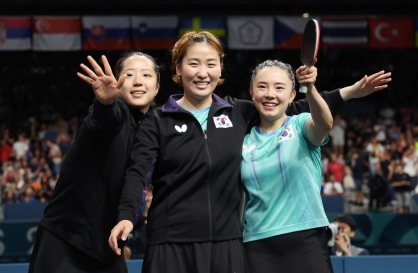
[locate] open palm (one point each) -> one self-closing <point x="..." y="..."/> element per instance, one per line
<point x="105" y="86"/>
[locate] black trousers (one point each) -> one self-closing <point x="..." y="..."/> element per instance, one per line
<point x="211" y="257"/>
<point x="51" y="254"/>
<point x="297" y="252"/>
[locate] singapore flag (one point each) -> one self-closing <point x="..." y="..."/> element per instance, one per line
<point x="391" y="32"/>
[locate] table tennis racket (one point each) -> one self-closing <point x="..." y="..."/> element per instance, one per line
<point x="310" y="45"/>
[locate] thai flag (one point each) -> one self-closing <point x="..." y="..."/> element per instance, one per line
<point x="106" y="33"/>
<point x="15" y="33"/>
<point x="344" y="31"/>
<point x="154" y="32"/>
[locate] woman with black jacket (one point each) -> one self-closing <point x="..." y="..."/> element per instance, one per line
<point x="191" y="149"/>
<point x="72" y="235"/>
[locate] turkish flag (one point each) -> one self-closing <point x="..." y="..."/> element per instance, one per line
<point x="391" y="32"/>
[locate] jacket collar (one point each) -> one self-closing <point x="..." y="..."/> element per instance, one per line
<point x="172" y="106"/>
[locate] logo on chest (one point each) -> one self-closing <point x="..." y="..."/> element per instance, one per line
<point x="222" y="121"/>
<point x="249" y="149"/>
<point x="288" y="133"/>
<point x="181" y="129"/>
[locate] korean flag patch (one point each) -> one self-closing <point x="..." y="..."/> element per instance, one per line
<point x="288" y="133"/>
<point x="222" y="121"/>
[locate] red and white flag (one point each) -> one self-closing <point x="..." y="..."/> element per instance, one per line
<point x="56" y="33"/>
<point x="391" y="32"/>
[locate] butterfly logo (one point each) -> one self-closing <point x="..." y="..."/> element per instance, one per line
<point x="246" y="149"/>
<point x="183" y="128"/>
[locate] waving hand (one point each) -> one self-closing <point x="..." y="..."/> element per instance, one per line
<point x="104" y="84"/>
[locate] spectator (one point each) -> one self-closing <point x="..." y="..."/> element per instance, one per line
<point x="374" y="148"/>
<point x="20" y="147"/>
<point x="54" y="155"/>
<point x="332" y="187"/>
<point x="380" y="130"/>
<point x="387" y="113"/>
<point x="336" y="168"/>
<point x="356" y="166"/>
<point x="410" y="161"/>
<point x="337" y="134"/>
<point x="10" y="197"/>
<point x="379" y="188"/>
<point x="5" y="151"/>
<point x="346" y="231"/>
<point x="29" y="197"/>
<point x="401" y="182"/>
<point x="44" y="191"/>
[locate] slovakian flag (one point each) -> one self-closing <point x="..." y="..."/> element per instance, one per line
<point x="391" y="32"/>
<point x="15" y="33"/>
<point x="56" y="33"/>
<point x="351" y="31"/>
<point x="250" y="32"/>
<point x="288" y="31"/>
<point x="154" y="32"/>
<point x="214" y="25"/>
<point x="106" y="32"/>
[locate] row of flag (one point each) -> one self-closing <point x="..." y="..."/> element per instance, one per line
<point x="46" y="33"/>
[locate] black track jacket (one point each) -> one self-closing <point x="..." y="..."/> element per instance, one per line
<point x="195" y="174"/>
<point x="83" y="208"/>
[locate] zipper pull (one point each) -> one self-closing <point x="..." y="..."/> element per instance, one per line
<point x="204" y="133"/>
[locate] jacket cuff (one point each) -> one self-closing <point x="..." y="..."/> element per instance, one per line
<point x="102" y="107"/>
<point x="334" y="100"/>
<point x="126" y="215"/>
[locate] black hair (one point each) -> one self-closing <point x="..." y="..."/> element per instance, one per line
<point x="126" y="55"/>
<point x="347" y="219"/>
<point x="287" y="68"/>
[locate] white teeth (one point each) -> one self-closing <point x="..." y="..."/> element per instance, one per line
<point x="201" y="83"/>
<point x="269" y="104"/>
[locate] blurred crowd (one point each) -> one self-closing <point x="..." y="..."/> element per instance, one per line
<point x="377" y="157"/>
<point x="371" y="158"/>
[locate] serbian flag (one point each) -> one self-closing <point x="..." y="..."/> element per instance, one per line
<point x="106" y="32"/>
<point x="346" y="31"/>
<point x="288" y="31"/>
<point x="154" y="32"/>
<point x="56" y="33"/>
<point x="250" y="32"/>
<point x="215" y="25"/>
<point x="15" y="33"/>
<point x="391" y="32"/>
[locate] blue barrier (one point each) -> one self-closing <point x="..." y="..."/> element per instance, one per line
<point x="24" y="211"/>
<point x="333" y="204"/>
<point x="360" y="264"/>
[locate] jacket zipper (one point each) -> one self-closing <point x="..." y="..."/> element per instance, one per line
<point x="208" y="186"/>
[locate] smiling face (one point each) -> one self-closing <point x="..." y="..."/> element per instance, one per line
<point x="200" y="70"/>
<point x="272" y="93"/>
<point x="140" y="86"/>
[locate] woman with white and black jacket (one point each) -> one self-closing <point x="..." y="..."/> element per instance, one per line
<point x="191" y="149"/>
<point x="72" y="235"/>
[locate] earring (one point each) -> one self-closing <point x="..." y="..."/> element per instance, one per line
<point x="179" y="77"/>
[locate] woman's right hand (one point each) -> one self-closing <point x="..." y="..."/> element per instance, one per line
<point x="104" y="84"/>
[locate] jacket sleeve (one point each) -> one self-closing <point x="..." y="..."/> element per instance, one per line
<point x="332" y="98"/>
<point x="103" y="116"/>
<point x="141" y="165"/>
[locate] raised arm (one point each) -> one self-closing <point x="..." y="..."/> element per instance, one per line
<point x="366" y="86"/>
<point x="106" y="90"/>
<point x="321" y="121"/>
<point x="337" y="98"/>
